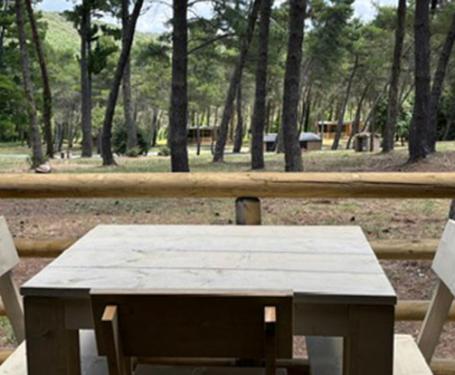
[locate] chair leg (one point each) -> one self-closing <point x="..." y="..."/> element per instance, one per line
<point x="13" y="305"/>
<point x="118" y="364"/>
<point x="270" y="319"/>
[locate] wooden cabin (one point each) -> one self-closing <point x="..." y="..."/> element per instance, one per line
<point x="206" y="135"/>
<point x="328" y="129"/>
<point x="308" y="142"/>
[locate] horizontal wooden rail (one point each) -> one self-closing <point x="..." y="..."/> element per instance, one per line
<point x="384" y="249"/>
<point x="229" y="185"/>
<point x="439" y="366"/>
<point x="405" y="310"/>
<point x="4" y="354"/>
<point x="43" y="248"/>
<point x="424" y="249"/>
<point x="443" y="366"/>
<point x="408" y="310"/>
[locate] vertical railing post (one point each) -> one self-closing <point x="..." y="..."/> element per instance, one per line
<point x="248" y="211"/>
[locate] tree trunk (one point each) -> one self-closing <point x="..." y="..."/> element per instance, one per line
<point x="34" y="132"/>
<point x="292" y="151"/>
<point x="259" y="112"/>
<point x="179" y="97"/>
<point x="279" y="138"/>
<point x="418" y="132"/>
<point x="154" y="130"/>
<point x="269" y="113"/>
<point x="449" y="124"/>
<point x="238" y="137"/>
<point x="438" y="82"/>
<point x="3" y="28"/>
<point x="452" y="210"/>
<point x="86" y="81"/>
<point x="358" y="112"/>
<point x="336" y="141"/>
<point x="47" y="94"/>
<point x="234" y="82"/>
<point x="393" y="106"/>
<point x="198" y="139"/>
<point x="131" y="128"/>
<point x="108" y="157"/>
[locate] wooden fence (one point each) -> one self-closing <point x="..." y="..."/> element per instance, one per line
<point x="247" y="188"/>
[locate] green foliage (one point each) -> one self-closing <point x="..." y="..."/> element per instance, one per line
<point x="61" y="34"/>
<point x="164" y="151"/>
<point x="11" y="103"/>
<point x="119" y="143"/>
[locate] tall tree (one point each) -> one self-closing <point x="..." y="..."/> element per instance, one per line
<point x="130" y="122"/>
<point x="393" y="105"/>
<point x="47" y="94"/>
<point x="178" y="116"/>
<point x="106" y="143"/>
<point x="418" y="133"/>
<point x="259" y="114"/>
<point x="234" y="82"/>
<point x="358" y="114"/>
<point x="34" y="132"/>
<point x="85" y="27"/>
<point x="238" y="135"/>
<point x="292" y="151"/>
<point x="341" y="114"/>
<point x="438" y="82"/>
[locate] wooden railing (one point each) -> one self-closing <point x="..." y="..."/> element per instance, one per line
<point x="248" y="210"/>
<point x="229" y="185"/>
<point x="384" y="249"/>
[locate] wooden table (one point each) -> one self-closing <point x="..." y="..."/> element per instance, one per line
<point x="338" y="285"/>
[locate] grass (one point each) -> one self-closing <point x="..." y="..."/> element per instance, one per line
<point x="13" y="158"/>
<point x="379" y="218"/>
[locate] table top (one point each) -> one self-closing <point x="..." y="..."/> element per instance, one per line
<point x="327" y="264"/>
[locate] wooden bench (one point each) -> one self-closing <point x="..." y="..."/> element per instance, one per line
<point x="255" y="328"/>
<point x="16" y="364"/>
<point x="411" y="357"/>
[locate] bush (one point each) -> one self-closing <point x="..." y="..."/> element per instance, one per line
<point x="164" y="151"/>
<point x="119" y="140"/>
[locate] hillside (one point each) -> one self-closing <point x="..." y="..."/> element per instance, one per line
<point x="62" y="35"/>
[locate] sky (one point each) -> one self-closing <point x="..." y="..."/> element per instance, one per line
<point x="159" y="11"/>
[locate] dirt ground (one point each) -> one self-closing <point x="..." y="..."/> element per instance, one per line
<point x="380" y="219"/>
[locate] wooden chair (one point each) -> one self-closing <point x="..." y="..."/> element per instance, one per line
<point x="411" y="357"/>
<point x="16" y="364"/>
<point x="252" y="328"/>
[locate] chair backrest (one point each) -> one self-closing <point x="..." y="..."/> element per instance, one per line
<point x="8" y="290"/>
<point x="444" y="261"/>
<point x="444" y="268"/>
<point x="190" y="325"/>
<point x="8" y="254"/>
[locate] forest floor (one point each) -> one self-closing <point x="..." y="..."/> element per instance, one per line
<point x="380" y="219"/>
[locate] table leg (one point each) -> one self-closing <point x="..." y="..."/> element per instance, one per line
<point x="325" y="354"/>
<point x="368" y="348"/>
<point x="51" y="349"/>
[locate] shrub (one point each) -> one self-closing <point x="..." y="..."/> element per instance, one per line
<point x="119" y="140"/>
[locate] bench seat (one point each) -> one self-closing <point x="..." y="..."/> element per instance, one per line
<point x="408" y="357"/>
<point x="91" y="364"/>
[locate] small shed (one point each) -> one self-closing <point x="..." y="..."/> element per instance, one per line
<point x="270" y="141"/>
<point x="206" y="135"/>
<point x="328" y="129"/>
<point x="364" y="142"/>
<point x="310" y="142"/>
